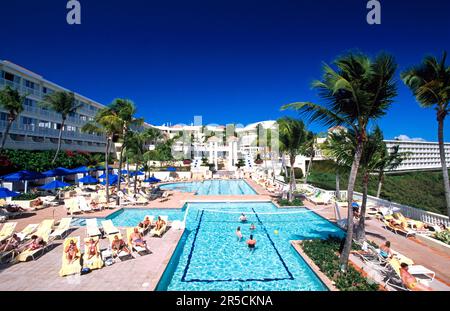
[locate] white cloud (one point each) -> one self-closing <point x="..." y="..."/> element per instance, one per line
<point x="406" y="137"/>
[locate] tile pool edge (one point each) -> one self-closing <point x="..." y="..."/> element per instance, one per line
<point x="320" y="275"/>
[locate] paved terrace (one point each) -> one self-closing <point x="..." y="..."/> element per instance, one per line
<point x="143" y="273"/>
<point x="421" y="254"/>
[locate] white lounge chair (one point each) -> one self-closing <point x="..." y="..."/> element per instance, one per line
<point x="109" y="227"/>
<point x="92" y="227"/>
<point x="63" y="228"/>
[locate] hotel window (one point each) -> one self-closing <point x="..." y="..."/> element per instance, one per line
<point x="29" y="84"/>
<point x="3" y="116"/>
<point x="28" y="102"/>
<point x="28" y="123"/>
<point x="70" y="128"/>
<point x="45" y="124"/>
<point x="83" y="118"/>
<point x="8" y="76"/>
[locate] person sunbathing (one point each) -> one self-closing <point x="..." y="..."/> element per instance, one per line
<point x="14" y="208"/>
<point x="385" y="250"/>
<point x="136" y="239"/>
<point x="410" y="281"/>
<point x="92" y="248"/>
<point x="71" y="252"/>
<point x="35" y="244"/>
<point x="160" y="223"/>
<point x="146" y="223"/>
<point x="119" y="245"/>
<point x="12" y="243"/>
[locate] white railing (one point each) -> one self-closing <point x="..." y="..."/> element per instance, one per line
<point x="407" y="211"/>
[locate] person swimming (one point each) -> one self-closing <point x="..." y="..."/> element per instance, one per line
<point x="252" y="227"/>
<point x="243" y="218"/>
<point x="239" y="233"/>
<point x="251" y="243"/>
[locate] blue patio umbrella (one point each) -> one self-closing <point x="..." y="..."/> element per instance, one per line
<point x="171" y="169"/>
<point x="124" y="172"/>
<point x="152" y="180"/>
<point x="112" y="180"/>
<point x="59" y="171"/>
<point x="56" y="184"/>
<point x="102" y="176"/>
<point x="23" y="176"/>
<point x="81" y="170"/>
<point x="88" y="180"/>
<point x="355" y="205"/>
<point x="6" y="193"/>
<point x="139" y="173"/>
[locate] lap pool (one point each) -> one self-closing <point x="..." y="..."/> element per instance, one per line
<point x="212" y="187"/>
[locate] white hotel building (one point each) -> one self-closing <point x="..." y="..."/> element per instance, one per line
<point x="423" y="155"/>
<point x="37" y="128"/>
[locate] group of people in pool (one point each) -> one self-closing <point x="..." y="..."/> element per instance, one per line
<point x="251" y="242"/>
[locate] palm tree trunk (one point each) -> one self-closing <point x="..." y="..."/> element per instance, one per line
<point x="108" y="143"/>
<point x="361" y="229"/>
<point x="119" y="173"/>
<point x="308" y="169"/>
<point x="338" y="187"/>
<point x="5" y="134"/>
<point x="59" y="139"/>
<point x="135" y="181"/>
<point x="443" y="162"/>
<point x="380" y="183"/>
<point x="351" y="185"/>
<point x="128" y="171"/>
<point x="292" y="185"/>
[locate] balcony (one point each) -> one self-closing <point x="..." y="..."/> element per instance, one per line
<point x="33" y="130"/>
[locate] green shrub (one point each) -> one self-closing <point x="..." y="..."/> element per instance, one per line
<point x="26" y="197"/>
<point x="295" y="202"/>
<point x="443" y="236"/>
<point x="324" y="253"/>
<point x="297" y="171"/>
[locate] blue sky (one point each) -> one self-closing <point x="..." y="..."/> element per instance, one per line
<point x="229" y="61"/>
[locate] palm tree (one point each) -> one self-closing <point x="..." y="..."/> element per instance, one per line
<point x="135" y="149"/>
<point x="108" y="124"/>
<point x="308" y="150"/>
<point x="357" y="91"/>
<point x="63" y="103"/>
<point x="388" y="162"/>
<point x="430" y="84"/>
<point x="292" y="136"/>
<point x="12" y="102"/>
<point x="125" y="110"/>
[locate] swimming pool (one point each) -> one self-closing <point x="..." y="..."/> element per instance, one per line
<point x="210" y="257"/>
<point x="212" y="187"/>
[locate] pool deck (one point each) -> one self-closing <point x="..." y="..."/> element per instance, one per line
<point x="143" y="273"/>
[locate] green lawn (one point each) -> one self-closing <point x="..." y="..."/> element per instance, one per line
<point x="423" y="190"/>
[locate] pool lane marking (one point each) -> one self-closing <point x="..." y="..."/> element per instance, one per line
<point x="183" y="278"/>
<point x="186" y="268"/>
<point x="273" y="244"/>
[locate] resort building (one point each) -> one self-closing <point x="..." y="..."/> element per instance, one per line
<point x="422" y="155"/>
<point x="37" y="128"/>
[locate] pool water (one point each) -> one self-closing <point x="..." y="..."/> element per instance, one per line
<point x="211" y="258"/>
<point x="212" y="187"/>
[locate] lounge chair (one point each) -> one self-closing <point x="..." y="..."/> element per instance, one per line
<point x="165" y="196"/>
<point x="7" y="230"/>
<point x="72" y="206"/>
<point x="92" y="227"/>
<point x="122" y="254"/>
<point x="421" y="273"/>
<point x="43" y="232"/>
<point x="63" y="227"/>
<point x="145" y="229"/>
<point x="68" y="268"/>
<point x="27" y="231"/>
<point x="396" y="229"/>
<point x="109" y="227"/>
<point x="84" y="206"/>
<point x="140" y="250"/>
<point x="96" y="262"/>
<point x="163" y="229"/>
